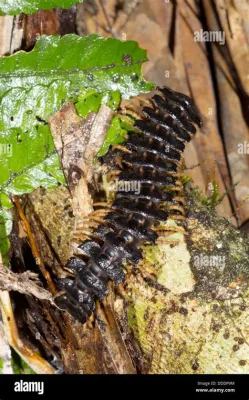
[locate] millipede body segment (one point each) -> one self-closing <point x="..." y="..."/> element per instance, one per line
<point x="155" y="148"/>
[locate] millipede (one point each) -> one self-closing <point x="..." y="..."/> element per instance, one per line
<point x="150" y="157"/>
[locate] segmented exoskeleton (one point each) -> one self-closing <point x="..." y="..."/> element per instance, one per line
<point x="153" y="153"/>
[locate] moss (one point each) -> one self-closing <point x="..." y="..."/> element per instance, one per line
<point x="190" y="328"/>
<point x="219" y="252"/>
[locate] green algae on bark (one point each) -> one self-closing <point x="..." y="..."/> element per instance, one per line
<point x="203" y="329"/>
<point x="219" y="251"/>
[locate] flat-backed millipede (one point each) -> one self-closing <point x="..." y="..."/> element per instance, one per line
<point x="155" y="148"/>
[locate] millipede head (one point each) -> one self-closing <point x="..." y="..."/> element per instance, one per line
<point x="185" y="102"/>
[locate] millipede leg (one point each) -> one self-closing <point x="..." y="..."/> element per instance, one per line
<point x="90" y="322"/>
<point x="99" y="220"/>
<point x="147" y="272"/>
<point x="101" y="213"/>
<point x="176" y="207"/>
<point x="102" y="204"/>
<point x="177" y="217"/>
<point x="122" y="148"/>
<point x="121" y="291"/>
<point x="126" y="119"/>
<point x="163" y="241"/>
<point x="112" y="175"/>
<point x="171" y="229"/>
<point x="83" y="232"/>
<point x="146" y="101"/>
<point x="132" y="112"/>
<point x="87" y="224"/>
<point x="180" y="199"/>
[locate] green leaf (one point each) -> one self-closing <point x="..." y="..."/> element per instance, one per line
<point x="93" y="101"/>
<point x="115" y="135"/>
<point x="29" y="163"/>
<point x="118" y="128"/>
<point x="19" y="365"/>
<point x="87" y="71"/>
<point x="5" y="225"/>
<point x="14" y="7"/>
<point x="69" y="66"/>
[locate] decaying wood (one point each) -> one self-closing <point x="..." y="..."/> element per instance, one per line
<point x="230" y="71"/>
<point x="83" y="347"/>
<point x="10" y="40"/>
<point x="71" y="135"/>
<point x="5" y="354"/>
<point x="112" y="337"/>
<point x="31" y="357"/>
<point x="48" y="22"/>
<point x="208" y="142"/>
<point x="231" y="23"/>
<point x="201" y="324"/>
<point x="23" y="283"/>
<point x="96" y="138"/>
<point x="37" y="363"/>
<point x="11" y="34"/>
<point x="78" y="142"/>
<point x="6" y="26"/>
<point x="35" y="251"/>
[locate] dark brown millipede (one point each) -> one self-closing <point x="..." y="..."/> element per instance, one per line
<point x="155" y="149"/>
